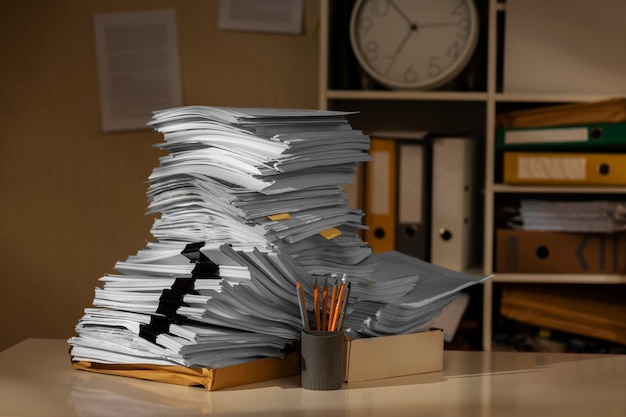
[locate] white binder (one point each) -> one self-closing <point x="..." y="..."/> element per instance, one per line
<point x="453" y="195"/>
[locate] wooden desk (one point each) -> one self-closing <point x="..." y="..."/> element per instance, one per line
<point x="36" y="380"/>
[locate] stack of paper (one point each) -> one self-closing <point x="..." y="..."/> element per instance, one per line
<point x="413" y="308"/>
<point x="250" y="204"/>
<point x="596" y="216"/>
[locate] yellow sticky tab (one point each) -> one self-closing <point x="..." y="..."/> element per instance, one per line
<point x="280" y="216"/>
<point x="331" y="233"/>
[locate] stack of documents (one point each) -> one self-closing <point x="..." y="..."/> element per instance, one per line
<point x="404" y="307"/>
<point x="596" y="216"/>
<point x="250" y="204"/>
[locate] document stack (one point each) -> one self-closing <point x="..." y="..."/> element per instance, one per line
<point x="595" y="216"/>
<point x="406" y="295"/>
<point x="250" y="205"/>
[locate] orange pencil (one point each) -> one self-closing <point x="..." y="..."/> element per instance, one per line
<point x="344" y="307"/>
<point x="316" y="306"/>
<point x="325" y="305"/>
<point x="332" y="306"/>
<point x="337" y="309"/>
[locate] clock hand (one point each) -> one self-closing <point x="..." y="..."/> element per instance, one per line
<point x="412" y="25"/>
<point x="414" y="28"/>
<point x="392" y="58"/>
<point x="435" y="25"/>
<point x="403" y="42"/>
<point x="401" y="13"/>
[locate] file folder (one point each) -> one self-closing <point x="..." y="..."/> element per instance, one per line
<point x="564" y="168"/>
<point x="591" y="136"/>
<point x="453" y="191"/>
<point x="612" y="110"/>
<point x="380" y="195"/>
<point x="412" y="231"/>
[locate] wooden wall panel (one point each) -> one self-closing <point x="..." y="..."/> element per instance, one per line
<point x="72" y="199"/>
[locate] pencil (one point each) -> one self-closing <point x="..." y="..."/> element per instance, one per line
<point x="345" y="307"/>
<point x="332" y="306"/>
<point x="316" y="305"/>
<point x="325" y="305"/>
<point x="302" y="304"/>
<point x="335" y="315"/>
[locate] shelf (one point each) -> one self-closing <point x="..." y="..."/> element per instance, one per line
<point x="459" y="96"/>
<point x="554" y="189"/>
<point x="405" y="95"/>
<point x="546" y="98"/>
<point x="561" y="278"/>
<point x="466" y="111"/>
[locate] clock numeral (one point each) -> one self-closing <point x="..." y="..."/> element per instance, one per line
<point x="376" y="8"/>
<point x="434" y="67"/>
<point x="454" y="50"/>
<point x="365" y="25"/>
<point x="410" y="75"/>
<point x="371" y="51"/>
<point x="460" y="9"/>
<point x="463" y="23"/>
<point x="379" y="7"/>
<point x="463" y="30"/>
<point x="392" y="60"/>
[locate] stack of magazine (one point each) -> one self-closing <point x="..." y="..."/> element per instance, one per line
<point x="250" y="204"/>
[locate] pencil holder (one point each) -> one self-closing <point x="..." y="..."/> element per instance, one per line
<point x="322" y="360"/>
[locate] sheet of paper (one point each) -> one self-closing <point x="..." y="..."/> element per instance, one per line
<point x="281" y="16"/>
<point x="138" y="66"/>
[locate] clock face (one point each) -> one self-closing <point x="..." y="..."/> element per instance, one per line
<point x="418" y="44"/>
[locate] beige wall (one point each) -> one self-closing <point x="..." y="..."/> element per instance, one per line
<point x="72" y="199"/>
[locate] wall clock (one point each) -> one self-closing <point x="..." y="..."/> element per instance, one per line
<point x="414" y="44"/>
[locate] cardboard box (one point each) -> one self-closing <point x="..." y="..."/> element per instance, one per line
<point x="212" y="379"/>
<point x="560" y="252"/>
<point x="392" y="356"/>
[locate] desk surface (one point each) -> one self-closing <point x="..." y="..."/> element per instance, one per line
<point x="36" y="379"/>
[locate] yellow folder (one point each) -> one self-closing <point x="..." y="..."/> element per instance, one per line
<point x="380" y="195"/>
<point x="564" y="168"/>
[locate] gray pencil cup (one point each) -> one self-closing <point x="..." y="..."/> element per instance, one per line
<point x="322" y="360"/>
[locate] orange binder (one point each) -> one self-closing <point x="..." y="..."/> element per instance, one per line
<point x="380" y="195"/>
<point x="564" y="168"/>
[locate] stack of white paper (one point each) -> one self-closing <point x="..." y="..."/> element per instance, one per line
<point x="250" y="204"/>
<point x="595" y="216"/>
<point x="412" y="307"/>
<point x="258" y="189"/>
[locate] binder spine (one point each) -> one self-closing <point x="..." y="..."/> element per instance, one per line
<point x="413" y="219"/>
<point x="453" y="203"/>
<point x="380" y="198"/>
<point x="564" y="168"/>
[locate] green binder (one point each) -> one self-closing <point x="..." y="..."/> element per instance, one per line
<point x="588" y="137"/>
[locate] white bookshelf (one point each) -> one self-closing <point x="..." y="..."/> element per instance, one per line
<point x="484" y="104"/>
